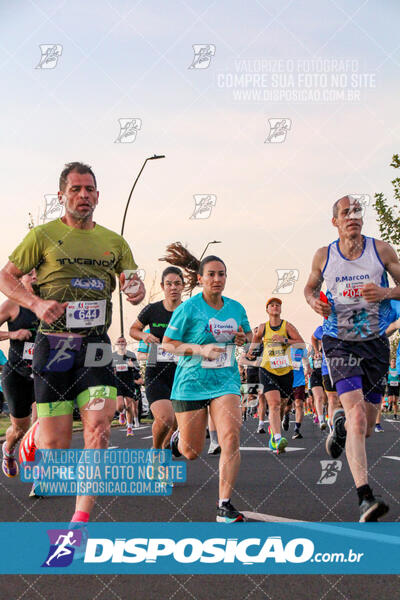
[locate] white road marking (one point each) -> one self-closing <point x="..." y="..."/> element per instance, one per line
<point x="393" y="457"/>
<point x="263" y="448"/>
<point x="112" y="447"/>
<point x="268" y="518"/>
<point x="123" y="427"/>
<point x="147" y="437"/>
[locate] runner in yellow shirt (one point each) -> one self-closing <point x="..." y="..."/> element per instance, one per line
<point x="276" y="372"/>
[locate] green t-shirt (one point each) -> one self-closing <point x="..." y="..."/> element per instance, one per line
<point x="75" y="265"/>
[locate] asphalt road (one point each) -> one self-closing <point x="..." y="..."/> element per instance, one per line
<point x="269" y="487"/>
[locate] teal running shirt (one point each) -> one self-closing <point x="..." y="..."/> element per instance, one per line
<point x="195" y="321"/>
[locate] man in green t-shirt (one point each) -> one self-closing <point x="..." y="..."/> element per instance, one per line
<point x="76" y="261"/>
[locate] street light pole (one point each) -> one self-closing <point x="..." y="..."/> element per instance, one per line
<point x="209" y="244"/>
<point x="203" y="253"/>
<point x="154" y="157"/>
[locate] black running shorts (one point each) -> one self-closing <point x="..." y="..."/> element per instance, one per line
<point x="252" y="375"/>
<point x="316" y="378"/>
<point x="282" y="383"/>
<point x="159" y="381"/>
<point x="393" y="390"/>
<point x="328" y="387"/>
<point x="368" y="359"/>
<point x="60" y="374"/>
<point x="125" y="384"/>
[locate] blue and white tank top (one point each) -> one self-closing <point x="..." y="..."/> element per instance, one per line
<point x="352" y="317"/>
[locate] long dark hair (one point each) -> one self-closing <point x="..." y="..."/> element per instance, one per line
<point x="177" y="254"/>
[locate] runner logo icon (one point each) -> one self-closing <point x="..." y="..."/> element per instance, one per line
<point x="52" y="208"/>
<point x="63" y="543"/>
<point x="203" y="54"/>
<point x="286" y="280"/>
<point x="358" y="205"/>
<point x="330" y="471"/>
<point x="203" y="205"/>
<point x="128" y="129"/>
<point x="278" y="129"/>
<point x="50" y="55"/>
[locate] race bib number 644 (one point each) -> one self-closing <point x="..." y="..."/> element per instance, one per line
<point x="89" y="313"/>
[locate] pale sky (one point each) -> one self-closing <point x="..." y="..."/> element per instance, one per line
<point x="125" y="59"/>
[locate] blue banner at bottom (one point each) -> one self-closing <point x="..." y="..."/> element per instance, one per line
<point x="200" y="548"/>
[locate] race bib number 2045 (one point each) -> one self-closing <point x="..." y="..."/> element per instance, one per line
<point x="349" y="292"/>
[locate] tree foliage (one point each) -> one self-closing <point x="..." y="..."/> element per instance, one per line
<point x="389" y="216"/>
<point x="389" y="227"/>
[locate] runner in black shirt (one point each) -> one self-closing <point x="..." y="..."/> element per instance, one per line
<point x="17" y="377"/>
<point x="161" y="365"/>
<point x="127" y="380"/>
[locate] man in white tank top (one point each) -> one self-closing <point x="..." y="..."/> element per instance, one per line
<point x="357" y="313"/>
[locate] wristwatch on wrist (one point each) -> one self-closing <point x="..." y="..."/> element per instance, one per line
<point x="285" y="340"/>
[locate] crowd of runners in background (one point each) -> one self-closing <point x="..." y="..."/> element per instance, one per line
<point x="205" y="368"/>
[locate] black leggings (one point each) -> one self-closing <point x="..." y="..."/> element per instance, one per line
<point x="18" y="392"/>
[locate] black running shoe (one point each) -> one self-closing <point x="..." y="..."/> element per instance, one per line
<point x="371" y="510"/>
<point x="285" y="422"/>
<point x="227" y="513"/>
<point x="173" y="444"/>
<point x="336" y="440"/>
<point x="297" y="435"/>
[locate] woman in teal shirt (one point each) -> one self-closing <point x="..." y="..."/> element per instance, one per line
<point x="203" y="331"/>
<point x="393" y="386"/>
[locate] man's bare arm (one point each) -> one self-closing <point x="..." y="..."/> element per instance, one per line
<point x="314" y="283"/>
<point x="11" y="286"/>
<point x="294" y="337"/>
<point x="388" y="256"/>
<point x="255" y="341"/>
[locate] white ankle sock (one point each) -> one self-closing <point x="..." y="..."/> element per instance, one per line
<point x="221" y="500"/>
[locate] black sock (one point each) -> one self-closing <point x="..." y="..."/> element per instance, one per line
<point x="297" y="426"/>
<point x="364" y="493"/>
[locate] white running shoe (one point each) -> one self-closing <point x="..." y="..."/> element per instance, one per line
<point x="214" y="448"/>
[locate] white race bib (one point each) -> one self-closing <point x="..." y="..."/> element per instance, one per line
<point x="121" y="367"/>
<point x="349" y="292"/>
<point x="89" y="313"/>
<point x="27" y="353"/>
<point x="393" y="383"/>
<point x="317" y="363"/>
<point x="296" y="364"/>
<point x="223" y="360"/>
<point x="279" y="362"/>
<point x="164" y="356"/>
